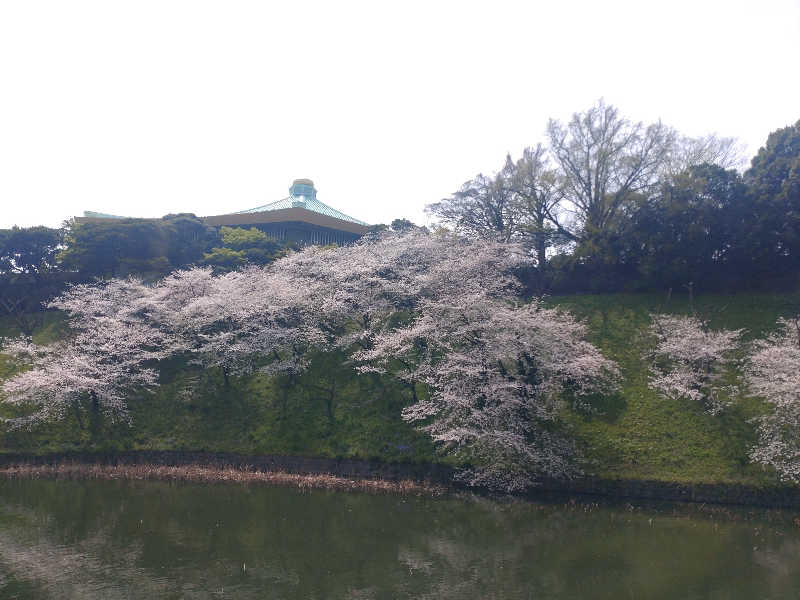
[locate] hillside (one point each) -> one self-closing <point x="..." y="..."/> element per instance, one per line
<point x="644" y="436"/>
<point x="331" y="411"/>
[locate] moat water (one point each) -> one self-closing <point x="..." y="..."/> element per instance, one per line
<point x="98" y="539"/>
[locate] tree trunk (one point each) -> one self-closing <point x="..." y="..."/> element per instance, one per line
<point x="284" y="401"/>
<point x="95" y="416"/>
<point x="76" y="406"/>
<point x="413" y="387"/>
<point x="541" y="245"/>
<point x="226" y="377"/>
<point x="329" y="402"/>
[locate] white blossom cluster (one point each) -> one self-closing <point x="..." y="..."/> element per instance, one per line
<point x="497" y="373"/>
<point x="436" y="311"/>
<point x="498" y="376"/>
<point x="773" y="373"/>
<point x="690" y="359"/>
<point x="489" y="375"/>
<point x="111" y="351"/>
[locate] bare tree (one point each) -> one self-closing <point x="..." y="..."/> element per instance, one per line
<point x="538" y="194"/>
<point x="605" y="160"/>
<point x="516" y="204"/>
<point x="484" y="207"/>
<point x="688" y="152"/>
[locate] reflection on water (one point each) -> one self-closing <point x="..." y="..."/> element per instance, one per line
<point x="110" y="540"/>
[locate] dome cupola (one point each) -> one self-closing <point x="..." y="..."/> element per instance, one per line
<point x="302" y="190"/>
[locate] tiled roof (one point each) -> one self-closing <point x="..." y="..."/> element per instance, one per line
<point x="306" y="202"/>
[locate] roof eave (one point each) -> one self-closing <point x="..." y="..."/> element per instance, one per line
<point x="287" y="214"/>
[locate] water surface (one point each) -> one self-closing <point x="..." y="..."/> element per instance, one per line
<point x="96" y="539"/>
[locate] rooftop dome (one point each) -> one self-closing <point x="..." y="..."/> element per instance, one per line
<point x="302" y="190"/>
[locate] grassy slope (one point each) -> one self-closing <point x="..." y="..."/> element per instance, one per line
<point x="643" y="436"/>
<point x="252" y="415"/>
<point x="638" y="435"/>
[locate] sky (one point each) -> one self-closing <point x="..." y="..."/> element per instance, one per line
<point x="152" y="107"/>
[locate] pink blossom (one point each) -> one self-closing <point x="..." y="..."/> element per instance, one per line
<point x="690" y="360"/>
<point x="436" y="311"/>
<point x="773" y="373"/>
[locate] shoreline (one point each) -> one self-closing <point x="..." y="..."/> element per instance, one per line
<point x="350" y="474"/>
<point x="208" y="474"/>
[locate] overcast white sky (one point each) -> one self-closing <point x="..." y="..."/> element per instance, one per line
<point x="143" y="108"/>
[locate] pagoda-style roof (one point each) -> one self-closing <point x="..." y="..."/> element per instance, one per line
<point x="300" y="206"/>
<point x="303" y="194"/>
<point x="311" y="204"/>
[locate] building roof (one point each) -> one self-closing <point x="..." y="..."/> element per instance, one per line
<point x="90" y="214"/>
<point x="303" y="195"/>
<point x="311" y="204"/>
<point x="301" y="205"/>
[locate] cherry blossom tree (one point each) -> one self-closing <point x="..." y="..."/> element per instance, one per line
<point x="363" y="284"/>
<point x="438" y="310"/>
<point x="488" y="375"/>
<point x="108" y="355"/>
<point x="238" y="322"/>
<point x="690" y="359"/>
<point x="498" y="377"/>
<point x="773" y="373"/>
<point x="361" y="292"/>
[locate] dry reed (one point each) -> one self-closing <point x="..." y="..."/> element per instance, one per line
<point x="211" y="474"/>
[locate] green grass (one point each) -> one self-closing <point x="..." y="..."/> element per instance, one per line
<point x="640" y="435"/>
<point x="255" y="414"/>
<point x="634" y="434"/>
